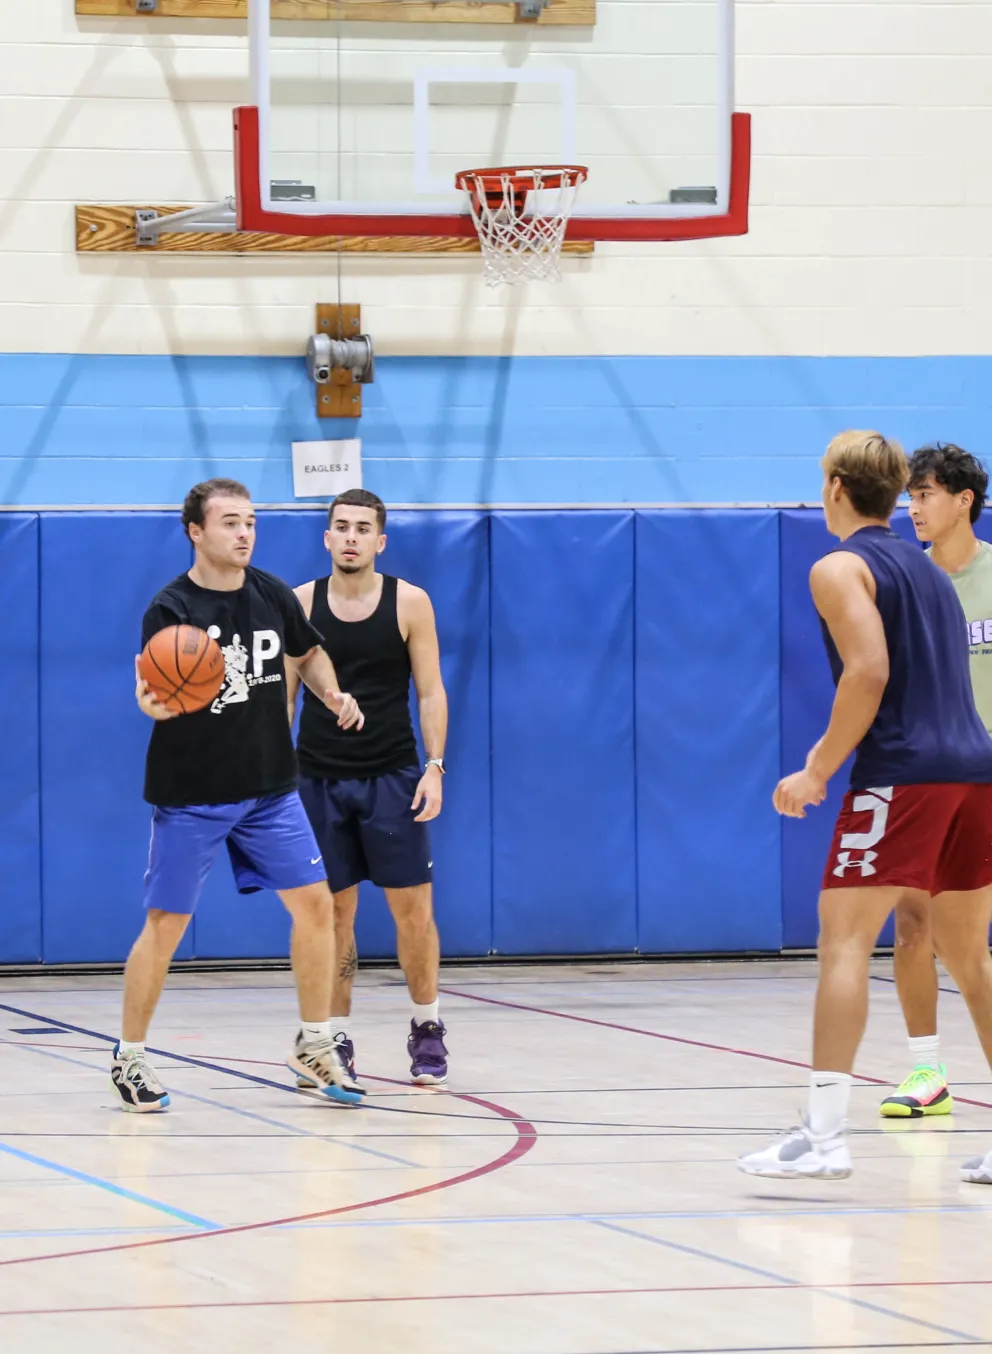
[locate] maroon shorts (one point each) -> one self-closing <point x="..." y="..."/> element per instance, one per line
<point x="929" y="837"/>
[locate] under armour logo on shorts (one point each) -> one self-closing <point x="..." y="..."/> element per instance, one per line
<point x="864" y="864"/>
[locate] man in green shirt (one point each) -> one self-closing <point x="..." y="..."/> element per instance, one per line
<point x="947" y="489"/>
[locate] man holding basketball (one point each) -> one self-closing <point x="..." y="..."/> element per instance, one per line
<point x="226" y="775"/>
<point x="367" y="798"/>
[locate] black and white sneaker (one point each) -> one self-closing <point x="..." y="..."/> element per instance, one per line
<point x="347" y="1050"/>
<point x="135" y="1082"/>
<point x="320" y="1066"/>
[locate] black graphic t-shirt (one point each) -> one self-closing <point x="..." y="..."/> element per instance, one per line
<point x="239" y="747"/>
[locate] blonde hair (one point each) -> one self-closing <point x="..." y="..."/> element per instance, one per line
<point x="873" y="470"/>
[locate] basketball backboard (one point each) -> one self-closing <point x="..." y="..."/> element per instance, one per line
<point x="360" y="128"/>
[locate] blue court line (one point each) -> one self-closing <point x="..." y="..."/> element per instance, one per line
<point x="230" y="1109"/>
<point x="831" y="1293"/>
<point x="763" y="1213"/>
<point x="99" y="1183"/>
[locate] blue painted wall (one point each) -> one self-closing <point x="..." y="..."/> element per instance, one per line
<point x="132" y="430"/>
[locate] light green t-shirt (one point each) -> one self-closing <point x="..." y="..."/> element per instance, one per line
<point x="973" y="585"/>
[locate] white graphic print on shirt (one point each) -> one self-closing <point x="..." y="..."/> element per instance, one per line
<point x="237" y="681"/>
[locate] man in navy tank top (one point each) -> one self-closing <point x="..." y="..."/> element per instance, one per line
<point x="368" y="799"/>
<point x="917" y="821"/>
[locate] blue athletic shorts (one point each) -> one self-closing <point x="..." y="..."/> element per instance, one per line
<point x="269" y="841"/>
<point x="366" y="830"/>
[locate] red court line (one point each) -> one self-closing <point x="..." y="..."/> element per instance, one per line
<point x="526" y="1137"/>
<point x="680" y="1289"/>
<point x="676" y="1039"/>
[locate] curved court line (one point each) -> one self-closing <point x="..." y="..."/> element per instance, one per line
<point x="675" y="1039"/>
<point x="526" y="1137"/>
<point x="680" y="1289"/>
<point x="525" y="1130"/>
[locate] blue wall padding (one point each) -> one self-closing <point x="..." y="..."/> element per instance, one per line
<point x="20" y="836"/>
<point x="448" y="554"/>
<point x="707" y="679"/>
<point x="807" y="694"/>
<point x="98" y="574"/>
<point x="564" y="871"/>
<point x="641" y="679"/>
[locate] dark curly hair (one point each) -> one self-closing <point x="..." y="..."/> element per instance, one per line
<point x="954" y="469"/>
<point x="360" y="498"/>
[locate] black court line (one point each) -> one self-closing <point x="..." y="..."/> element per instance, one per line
<point x="203" y="1064"/>
<point x="619" y="1128"/>
<point x="877" y="978"/>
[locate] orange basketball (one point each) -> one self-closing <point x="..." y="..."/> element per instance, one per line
<point x="184" y="668"/>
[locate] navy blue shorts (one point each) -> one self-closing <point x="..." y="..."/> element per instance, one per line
<point x="269" y="841"/>
<point x="366" y="830"/>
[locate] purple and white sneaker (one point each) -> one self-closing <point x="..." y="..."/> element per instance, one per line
<point x="428" y="1055"/>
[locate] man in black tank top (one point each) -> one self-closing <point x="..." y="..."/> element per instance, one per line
<point x="368" y="799"/>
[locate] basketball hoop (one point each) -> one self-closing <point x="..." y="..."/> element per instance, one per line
<point x="517" y="247"/>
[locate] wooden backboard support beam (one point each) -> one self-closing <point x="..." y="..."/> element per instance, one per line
<point x="575" y="12"/>
<point x="110" y="230"/>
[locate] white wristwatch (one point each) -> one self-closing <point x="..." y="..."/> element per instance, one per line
<point x="435" y="761"/>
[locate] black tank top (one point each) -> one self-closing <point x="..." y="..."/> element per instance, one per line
<point x="372" y="663"/>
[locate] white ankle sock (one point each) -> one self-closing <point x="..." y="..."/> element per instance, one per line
<point x="340" y="1027"/>
<point x="124" y="1047"/>
<point x="317" y="1029"/>
<point x="421" y="1014"/>
<point x="829" y="1095"/>
<point x="925" y="1051"/>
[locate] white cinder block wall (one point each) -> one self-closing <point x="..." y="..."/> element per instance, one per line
<point x="870" y="224"/>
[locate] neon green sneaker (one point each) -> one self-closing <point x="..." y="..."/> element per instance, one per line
<point x="923" y="1092"/>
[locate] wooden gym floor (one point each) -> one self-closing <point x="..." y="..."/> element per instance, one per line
<point x="572" y="1192"/>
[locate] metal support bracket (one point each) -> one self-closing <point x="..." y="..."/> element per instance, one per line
<point x="218" y="218"/>
<point x="529" y="9"/>
<point x="146" y="6"/>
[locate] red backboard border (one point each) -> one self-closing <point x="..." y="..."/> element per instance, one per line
<point x="252" y="216"/>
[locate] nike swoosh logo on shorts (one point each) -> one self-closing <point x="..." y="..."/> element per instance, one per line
<point x="315" y="861"/>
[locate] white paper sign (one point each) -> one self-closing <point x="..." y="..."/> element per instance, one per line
<point x="324" y="469"/>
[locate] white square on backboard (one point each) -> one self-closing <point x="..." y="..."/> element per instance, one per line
<point x="324" y="469"/>
<point x="563" y="77"/>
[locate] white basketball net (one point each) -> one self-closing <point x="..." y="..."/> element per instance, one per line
<point x="518" y="248"/>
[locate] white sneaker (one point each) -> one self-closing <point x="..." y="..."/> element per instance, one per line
<point x="978" y="1171"/>
<point x="801" y="1153"/>
<point x="320" y="1066"/>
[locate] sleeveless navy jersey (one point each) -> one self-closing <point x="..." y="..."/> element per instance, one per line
<point x="927" y="729"/>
